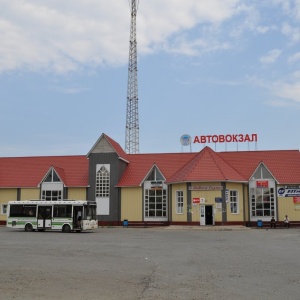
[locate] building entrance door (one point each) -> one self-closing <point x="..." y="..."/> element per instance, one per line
<point x="206" y="215"/>
<point x="209" y="215"/>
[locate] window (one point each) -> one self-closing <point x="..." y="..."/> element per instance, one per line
<point x="262" y="197"/>
<point x="262" y="201"/>
<point x="19" y="210"/>
<point x="51" y="195"/>
<point x="155" y="203"/>
<point x="52" y="177"/>
<point x="3" y="209"/>
<point x="155" y="175"/>
<point x="179" y="202"/>
<point x="102" y="182"/>
<point x="90" y="212"/>
<point x="52" y="187"/>
<point x="234" y="202"/>
<point x="155" y="197"/>
<point x="62" y="211"/>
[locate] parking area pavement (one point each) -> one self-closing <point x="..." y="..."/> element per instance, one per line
<point x="150" y="263"/>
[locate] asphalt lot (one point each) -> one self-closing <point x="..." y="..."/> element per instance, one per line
<point x="150" y="263"/>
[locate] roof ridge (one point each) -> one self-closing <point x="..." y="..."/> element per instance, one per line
<point x="193" y="162"/>
<point x="221" y="158"/>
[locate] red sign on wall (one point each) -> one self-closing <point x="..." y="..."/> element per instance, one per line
<point x="262" y="184"/>
<point x="296" y="200"/>
<point x="196" y="200"/>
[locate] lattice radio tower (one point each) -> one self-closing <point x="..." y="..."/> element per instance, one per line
<point x="132" y="113"/>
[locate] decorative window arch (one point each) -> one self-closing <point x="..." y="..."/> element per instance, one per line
<point x="102" y="182"/>
<point x="155" y="196"/>
<point x="262" y="194"/>
<point x="52" y="186"/>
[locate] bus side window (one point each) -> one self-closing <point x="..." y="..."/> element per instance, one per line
<point x="16" y="210"/>
<point x="30" y="210"/>
<point x="69" y="211"/>
<point x="55" y="211"/>
<point x="62" y="211"/>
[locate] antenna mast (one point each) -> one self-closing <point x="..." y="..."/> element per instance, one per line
<point x="132" y="113"/>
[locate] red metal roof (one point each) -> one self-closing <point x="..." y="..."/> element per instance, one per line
<point x="205" y="165"/>
<point x="283" y="164"/>
<point x="208" y="165"/>
<point x="140" y="164"/>
<point x="29" y="171"/>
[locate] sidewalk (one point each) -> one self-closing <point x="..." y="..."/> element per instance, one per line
<point x="210" y="228"/>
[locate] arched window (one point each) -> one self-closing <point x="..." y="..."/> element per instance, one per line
<point x="155" y="196"/>
<point x="102" y="183"/>
<point x="262" y="194"/>
<point x="52" y="187"/>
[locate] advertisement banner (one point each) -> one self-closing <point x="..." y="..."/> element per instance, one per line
<point x="196" y="200"/>
<point x="288" y="192"/>
<point x="262" y="184"/>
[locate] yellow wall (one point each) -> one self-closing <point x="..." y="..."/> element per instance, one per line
<point x="5" y="196"/>
<point x="239" y="217"/>
<point x="286" y="206"/>
<point x="132" y="204"/>
<point x="179" y="217"/>
<point x="77" y="193"/>
<point x="30" y="194"/>
<point x="209" y="200"/>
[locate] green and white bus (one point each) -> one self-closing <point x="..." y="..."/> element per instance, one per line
<point x="64" y="215"/>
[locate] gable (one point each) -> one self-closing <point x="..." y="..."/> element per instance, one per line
<point x="105" y="144"/>
<point x="102" y="146"/>
<point x="54" y="174"/>
<point x="262" y="173"/>
<point x="154" y="175"/>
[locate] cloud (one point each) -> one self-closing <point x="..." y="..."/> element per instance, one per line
<point x="288" y="90"/>
<point x="69" y="35"/>
<point x="271" y="56"/>
<point x="284" y="92"/>
<point x="70" y="90"/>
<point x="294" y="58"/>
<point x="293" y="33"/>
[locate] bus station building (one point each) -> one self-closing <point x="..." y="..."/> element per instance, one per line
<point x="187" y="188"/>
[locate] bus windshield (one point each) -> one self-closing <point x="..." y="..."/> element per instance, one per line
<point x="90" y="210"/>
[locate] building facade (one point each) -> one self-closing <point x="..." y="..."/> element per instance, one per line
<point x="203" y="188"/>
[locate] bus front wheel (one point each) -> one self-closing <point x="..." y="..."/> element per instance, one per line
<point x="28" y="227"/>
<point x="66" y="228"/>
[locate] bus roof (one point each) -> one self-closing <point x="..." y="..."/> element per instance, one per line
<point x="44" y="202"/>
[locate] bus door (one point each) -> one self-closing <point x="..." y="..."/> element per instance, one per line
<point x="77" y="216"/>
<point x="44" y="217"/>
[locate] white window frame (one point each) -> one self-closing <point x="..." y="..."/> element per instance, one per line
<point x="234" y="201"/>
<point x="52" y="187"/>
<point x="179" y="202"/>
<point x="103" y="182"/>
<point x="3" y="207"/>
<point x="52" y="197"/>
<point x="102" y="189"/>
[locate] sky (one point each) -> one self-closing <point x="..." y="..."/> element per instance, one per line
<point x="209" y="67"/>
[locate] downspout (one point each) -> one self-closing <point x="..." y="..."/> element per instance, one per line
<point x="188" y="203"/>
<point x="224" y="206"/>
<point x="244" y="205"/>
<point x="170" y="204"/>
